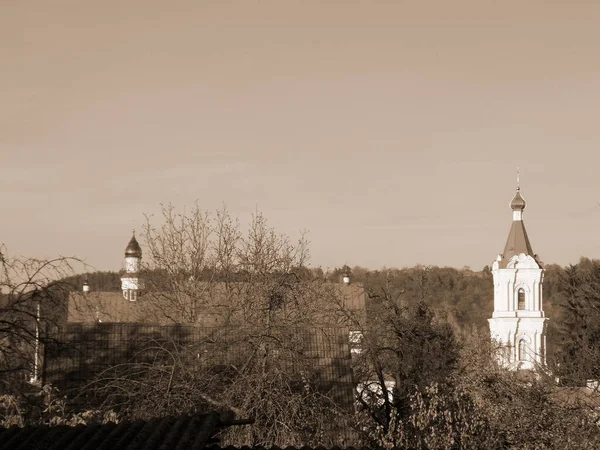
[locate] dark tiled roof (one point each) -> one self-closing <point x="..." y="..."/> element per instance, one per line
<point x="151" y="307"/>
<point x="104" y="307"/>
<point x="184" y="432"/>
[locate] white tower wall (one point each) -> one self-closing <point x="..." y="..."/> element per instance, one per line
<point x="519" y="326"/>
<point x="132" y="264"/>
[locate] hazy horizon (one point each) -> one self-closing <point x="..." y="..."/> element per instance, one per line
<point x="391" y="131"/>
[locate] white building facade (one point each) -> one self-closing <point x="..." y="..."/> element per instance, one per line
<point x="518" y="322"/>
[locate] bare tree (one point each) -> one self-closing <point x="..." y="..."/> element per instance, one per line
<point x="32" y="296"/>
<point x="267" y="334"/>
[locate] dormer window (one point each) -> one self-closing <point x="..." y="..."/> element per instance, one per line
<point x="521" y="299"/>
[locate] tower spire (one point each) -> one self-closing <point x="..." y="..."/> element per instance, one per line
<point x="518" y="321"/>
<point x="131" y="284"/>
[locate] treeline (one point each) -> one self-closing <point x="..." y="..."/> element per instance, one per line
<point x="466" y="299"/>
<point x="466" y="296"/>
<point x="100" y="281"/>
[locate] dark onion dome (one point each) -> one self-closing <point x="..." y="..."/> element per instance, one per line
<point x="133" y="248"/>
<point x="518" y="203"/>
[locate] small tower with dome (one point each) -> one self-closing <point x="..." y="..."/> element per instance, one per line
<point x="518" y="322"/>
<point x="131" y="284"/>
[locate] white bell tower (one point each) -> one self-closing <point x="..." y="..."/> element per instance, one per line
<point x="518" y="322"/>
<point x="131" y="284"/>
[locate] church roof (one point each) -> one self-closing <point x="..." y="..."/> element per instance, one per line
<point x="518" y="202"/>
<point x="517" y="242"/>
<point x="133" y="248"/>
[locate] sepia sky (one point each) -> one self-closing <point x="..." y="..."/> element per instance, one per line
<point x="390" y="130"/>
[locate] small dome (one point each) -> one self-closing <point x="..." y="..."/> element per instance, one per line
<point x="518" y="203"/>
<point x="133" y="248"/>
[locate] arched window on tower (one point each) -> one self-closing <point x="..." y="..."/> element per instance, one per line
<point x="523" y="350"/>
<point x="521" y="299"/>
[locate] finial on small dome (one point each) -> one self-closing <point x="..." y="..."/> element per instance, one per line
<point x="518" y="202"/>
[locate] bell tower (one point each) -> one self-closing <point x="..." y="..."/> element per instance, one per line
<point x="518" y="323"/>
<point x="131" y="284"/>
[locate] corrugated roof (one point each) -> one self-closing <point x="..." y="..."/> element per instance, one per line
<point x="184" y="432"/>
